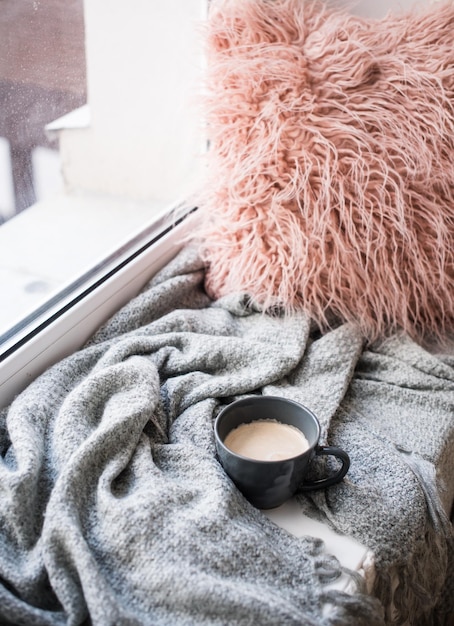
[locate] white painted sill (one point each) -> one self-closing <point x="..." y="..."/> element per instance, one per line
<point x="56" y="256"/>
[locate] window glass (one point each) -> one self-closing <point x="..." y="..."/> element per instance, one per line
<point x="99" y="134"/>
<point x="42" y="76"/>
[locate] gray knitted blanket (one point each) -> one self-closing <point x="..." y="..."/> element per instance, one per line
<point x="115" y="511"/>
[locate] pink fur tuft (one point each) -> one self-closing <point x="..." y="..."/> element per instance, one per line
<point x="331" y="169"/>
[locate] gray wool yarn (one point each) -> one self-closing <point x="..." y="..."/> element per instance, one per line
<point x="115" y="511"/>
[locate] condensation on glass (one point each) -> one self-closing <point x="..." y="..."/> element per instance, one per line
<point x="42" y="76"/>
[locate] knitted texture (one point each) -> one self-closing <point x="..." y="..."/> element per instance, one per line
<point x="330" y="181"/>
<point x="114" y="509"/>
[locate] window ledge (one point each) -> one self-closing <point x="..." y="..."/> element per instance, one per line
<point x="116" y="269"/>
<point x="55" y="241"/>
<point x="77" y="119"/>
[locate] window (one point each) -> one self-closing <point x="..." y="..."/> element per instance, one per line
<point x="42" y="76"/>
<point x="113" y="145"/>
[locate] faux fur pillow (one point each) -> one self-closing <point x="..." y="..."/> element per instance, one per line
<point x="331" y="167"/>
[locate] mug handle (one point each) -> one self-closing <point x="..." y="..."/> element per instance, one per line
<point x="334" y="478"/>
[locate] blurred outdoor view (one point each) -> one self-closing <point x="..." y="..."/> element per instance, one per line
<point x="75" y="194"/>
<point x="42" y="76"/>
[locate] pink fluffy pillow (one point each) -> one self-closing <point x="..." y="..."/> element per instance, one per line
<point x="331" y="168"/>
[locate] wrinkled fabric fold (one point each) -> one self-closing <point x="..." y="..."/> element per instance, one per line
<point x="115" y="510"/>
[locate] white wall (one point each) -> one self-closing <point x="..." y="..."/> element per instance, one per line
<point x="6" y="180"/>
<point x="143" y="66"/>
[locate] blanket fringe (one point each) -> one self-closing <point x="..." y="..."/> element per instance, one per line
<point x="417" y="589"/>
<point x="366" y="610"/>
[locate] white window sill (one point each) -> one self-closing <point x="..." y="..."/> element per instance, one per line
<point x="55" y="241"/>
<point x="53" y="244"/>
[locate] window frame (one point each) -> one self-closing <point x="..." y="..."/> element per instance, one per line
<point x="66" y="322"/>
<point x="63" y="323"/>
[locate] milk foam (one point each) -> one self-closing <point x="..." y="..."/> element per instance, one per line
<point x="266" y="440"/>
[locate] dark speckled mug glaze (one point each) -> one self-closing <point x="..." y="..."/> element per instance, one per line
<point x="268" y="484"/>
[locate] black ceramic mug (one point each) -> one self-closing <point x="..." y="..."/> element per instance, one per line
<point x="268" y="484"/>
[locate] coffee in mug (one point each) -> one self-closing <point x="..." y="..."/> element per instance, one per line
<point x="266" y="440"/>
<point x="269" y="482"/>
